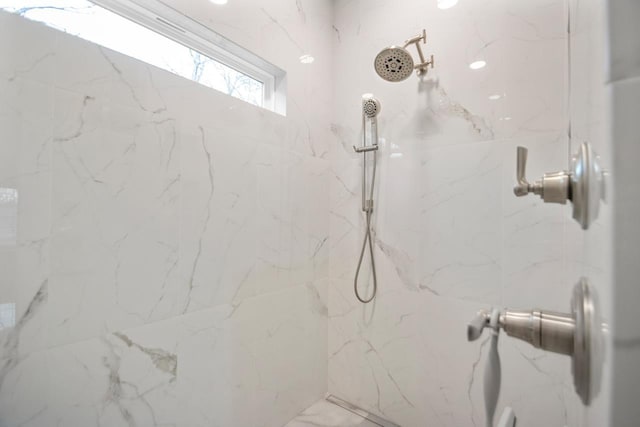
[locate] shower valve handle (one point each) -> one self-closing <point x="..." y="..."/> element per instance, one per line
<point x="477" y="325"/>
<point x="547" y="330"/>
<point x="579" y="334"/>
<point x="523" y="187"/>
<point x="554" y="187"/>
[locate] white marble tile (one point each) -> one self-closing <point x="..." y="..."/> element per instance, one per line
<point x="116" y="196"/>
<point x="33" y="57"/>
<point x="534" y="231"/>
<point x="222" y="366"/>
<point x="282" y="31"/>
<point x="143" y="196"/>
<point x="106" y="75"/>
<point x="291" y="319"/>
<point x="253" y="218"/>
<point x="407" y="378"/>
<point x="426" y="236"/>
<point x="452" y="104"/>
<point x="451" y="235"/>
<point x="326" y="414"/>
<point x="199" y="243"/>
<point x="23" y="393"/>
<point x="305" y="207"/>
<point x="218" y="242"/>
<point x="26" y="109"/>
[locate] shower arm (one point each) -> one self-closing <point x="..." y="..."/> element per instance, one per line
<point x="424" y="64"/>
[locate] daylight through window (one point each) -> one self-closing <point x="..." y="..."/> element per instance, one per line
<point x="89" y="21"/>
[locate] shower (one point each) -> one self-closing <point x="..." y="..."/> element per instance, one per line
<point x="370" y="110"/>
<point x="395" y="63"/>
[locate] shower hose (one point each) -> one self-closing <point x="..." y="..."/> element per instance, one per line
<point x="368" y="209"/>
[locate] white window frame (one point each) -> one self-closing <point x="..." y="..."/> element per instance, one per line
<point x="171" y="23"/>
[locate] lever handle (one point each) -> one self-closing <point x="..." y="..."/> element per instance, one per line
<point x="477" y="324"/>
<point x="522" y="163"/>
<point x="522" y="188"/>
<point x="492" y="373"/>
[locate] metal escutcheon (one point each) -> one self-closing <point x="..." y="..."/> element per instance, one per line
<point x="588" y="347"/>
<point x="587" y="185"/>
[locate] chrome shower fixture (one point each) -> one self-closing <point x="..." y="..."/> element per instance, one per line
<point x="370" y="106"/>
<point x="395" y="63"/>
<point x="579" y="334"/>
<point x="584" y="184"/>
<point x="370" y="110"/>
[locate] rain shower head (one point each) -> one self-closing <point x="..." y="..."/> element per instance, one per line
<point x="394" y="64"/>
<point x="370" y="106"/>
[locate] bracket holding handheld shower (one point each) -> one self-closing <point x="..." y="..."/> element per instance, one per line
<point x="365" y="149"/>
<point x="370" y="109"/>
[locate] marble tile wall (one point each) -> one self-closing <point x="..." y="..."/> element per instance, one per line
<point x="281" y="31"/>
<point x="170" y="240"/>
<point x="451" y="237"/>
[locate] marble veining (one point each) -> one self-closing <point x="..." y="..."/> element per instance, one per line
<point x="207" y="216"/>
<point x="186" y="259"/>
<point x="171" y="240"/>
<point x="10" y="355"/>
<point x="130" y="86"/>
<point x="450" y="236"/>
<point x="163" y="360"/>
<point x="450" y="107"/>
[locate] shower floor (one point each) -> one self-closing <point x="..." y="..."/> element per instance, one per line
<point x="326" y="414"/>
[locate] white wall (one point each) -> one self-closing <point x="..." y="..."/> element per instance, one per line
<point x="623" y="76"/>
<point x="589" y="252"/>
<point x="451" y="238"/>
<point x="171" y="240"/>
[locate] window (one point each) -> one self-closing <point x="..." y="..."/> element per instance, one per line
<point x="158" y="35"/>
<point x="8" y="216"/>
<point x="7" y="315"/>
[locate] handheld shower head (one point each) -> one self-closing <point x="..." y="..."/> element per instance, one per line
<point x="394" y="64"/>
<point x="370" y="107"/>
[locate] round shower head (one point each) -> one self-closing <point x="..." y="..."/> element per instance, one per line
<point x="394" y="64"/>
<point x="370" y="107"/>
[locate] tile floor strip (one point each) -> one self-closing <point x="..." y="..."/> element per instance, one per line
<point x="359" y="411"/>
